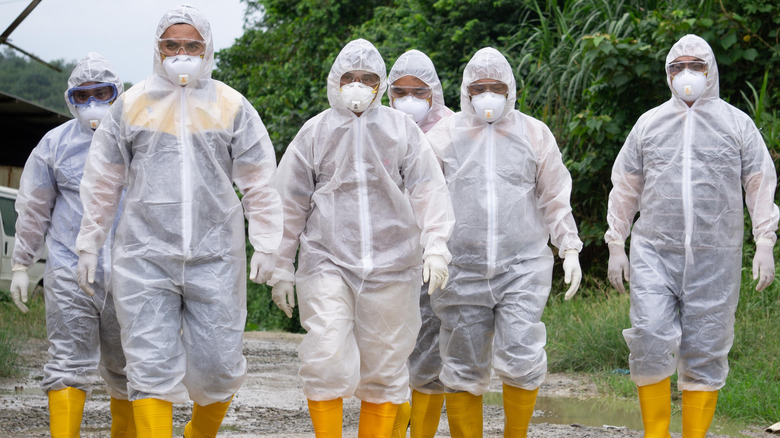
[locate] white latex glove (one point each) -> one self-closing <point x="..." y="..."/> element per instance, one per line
<point x="86" y="270"/>
<point x="435" y="270"/>
<point x="283" y="295"/>
<point x="618" y="266"/>
<point x="763" y="265"/>
<point x="261" y="267"/>
<point x="19" y="283"/>
<point x="572" y="273"/>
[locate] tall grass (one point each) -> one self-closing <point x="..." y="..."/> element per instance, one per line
<point x="16" y="328"/>
<point x="585" y="335"/>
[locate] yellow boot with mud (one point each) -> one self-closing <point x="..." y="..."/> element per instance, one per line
<point x="66" y="406"/>
<point x="655" y="401"/>
<point x="153" y="418"/>
<point x="698" y="408"/>
<point x="402" y="420"/>
<point x="464" y="414"/>
<point x="122" y="420"/>
<point x="518" y="410"/>
<point x="206" y="420"/>
<point x="426" y="413"/>
<point x="327" y="417"/>
<point x="376" y="419"/>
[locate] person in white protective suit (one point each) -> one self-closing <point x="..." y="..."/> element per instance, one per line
<point x="362" y="244"/>
<point x="83" y="332"/>
<point x="415" y="89"/>
<point x="510" y="191"/>
<point x="685" y="163"/>
<point x="179" y="141"/>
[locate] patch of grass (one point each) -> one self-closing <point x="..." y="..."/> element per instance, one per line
<point x="585" y="335"/>
<point x="16" y="328"/>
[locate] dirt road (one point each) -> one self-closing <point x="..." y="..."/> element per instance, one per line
<point x="269" y="404"/>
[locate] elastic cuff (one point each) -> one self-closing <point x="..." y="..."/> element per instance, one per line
<point x="621" y="243"/>
<point x="19" y="268"/>
<point x="570" y="251"/>
<point x="764" y="241"/>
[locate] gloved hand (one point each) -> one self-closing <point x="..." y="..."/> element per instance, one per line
<point x="435" y="270"/>
<point x="19" y="283"/>
<point x="261" y="267"/>
<point x="86" y="271"/>
<point x="618" y="266"/>
<point x="572" y="273"/>
<point x="763" y="265"/>
<point x="283" y="295"/>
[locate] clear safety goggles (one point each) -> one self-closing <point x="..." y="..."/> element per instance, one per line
<point x="101" y="93"/>
<point x="676" y="67"/>
<point x="173" y="46"/>
<point x="398" y="92"/>
<point x="497" y="87"/>
<point x="364" y="77"/>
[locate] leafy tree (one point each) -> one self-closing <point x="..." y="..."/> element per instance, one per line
<point x="33" y="81"/>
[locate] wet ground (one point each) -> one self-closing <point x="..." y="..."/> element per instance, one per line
<point x="271" y="403"/>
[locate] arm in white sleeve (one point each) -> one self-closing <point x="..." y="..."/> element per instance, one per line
<point x="295" y="183"/>
<point x="34" y="204"/>
<point x="759" y="179"/>
<point x="627" y="185"/>
<point x="553" y="191"/>
<point x="428" y="195"/>
<point x="104" y="178"/>
<point x="254" y="172"/>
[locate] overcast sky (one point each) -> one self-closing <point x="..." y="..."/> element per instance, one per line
<point x="121" y="30"/>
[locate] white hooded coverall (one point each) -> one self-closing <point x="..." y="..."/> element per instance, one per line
<point x="179" y="258"/>
<point x="425" y="360"/>
<point x="83" y="332"/>
<point x="510" y="191"/>
<point x="686" y="168"/>
<point x="362" y="240"/>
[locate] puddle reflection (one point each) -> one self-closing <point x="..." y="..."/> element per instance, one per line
<point x="604" y="411"/>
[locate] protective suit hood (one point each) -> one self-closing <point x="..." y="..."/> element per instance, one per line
<point x="694" y="45"/>
<point x="186" y="14"/>
<point x="93" y="67"/>
<point x="488" y="63"/>
<point x="418" y="64"/>
<point x="356" y="55"/>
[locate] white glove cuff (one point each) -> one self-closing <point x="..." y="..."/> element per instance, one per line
<point x="19" y="268"/>
<point x="764" y="241"/>
<point x="570" y="251"/>
<point x="620" y="243"/>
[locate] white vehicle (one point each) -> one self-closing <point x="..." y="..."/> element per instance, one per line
<point x="8" y="225"/>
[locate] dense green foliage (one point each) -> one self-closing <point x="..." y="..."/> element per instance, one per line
<point x="33" y="81"/>
<point x="16" y="328"/>
<point x="588" y="69"/>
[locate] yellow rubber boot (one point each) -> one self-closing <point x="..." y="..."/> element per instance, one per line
<point x="153" y="418"/>
<point x="518" y="410"/>
<point x="464" y="414"/>
<point x="206" y="420"/>
<point x="698" y="408"/>
<point x="326" y="417"/>
<point x="122" y="420"/>
<point x="655" y="401"/>
<point x="66" y="407"/>
<point x="376" y="419"/>
<point x="426" y="412"/>
<point x="402" y="420"/>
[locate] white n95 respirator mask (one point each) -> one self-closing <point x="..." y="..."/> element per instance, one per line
<point x="413" y="106"/>
<point x="489" y="106"/>
<point x="92" y="113"/>
<point x="689" y="85"/>
<point x="357" y="97"/>
<point x="182" y="69"/>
